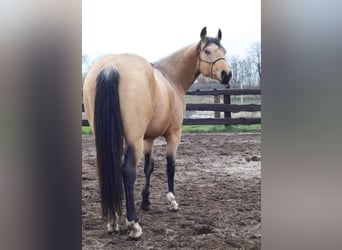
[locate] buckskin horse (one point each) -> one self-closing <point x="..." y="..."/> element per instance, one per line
<point x="129" y="102"/>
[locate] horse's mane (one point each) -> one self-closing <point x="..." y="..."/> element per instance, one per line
<point x="174" y="56"/>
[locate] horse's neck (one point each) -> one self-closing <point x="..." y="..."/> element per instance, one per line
<point x="181" y="67"/>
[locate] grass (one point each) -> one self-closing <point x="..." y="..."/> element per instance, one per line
<point x="204" y="128"/>
<point x="220" y="128"/>
<point x="86" y="130"/>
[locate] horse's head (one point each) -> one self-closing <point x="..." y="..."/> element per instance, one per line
<point x="212" y="62"/>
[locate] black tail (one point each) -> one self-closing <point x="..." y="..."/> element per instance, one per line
<point x="109" y="141"/>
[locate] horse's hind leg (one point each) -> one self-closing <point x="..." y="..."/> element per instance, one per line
<point x="132" y="156"/>
<point x="172" y="143"/>
<point x="148" y="170"/>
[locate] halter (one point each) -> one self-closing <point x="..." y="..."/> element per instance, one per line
<point x="212" y="64"/>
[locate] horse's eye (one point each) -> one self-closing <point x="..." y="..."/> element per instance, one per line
<point x="207" y="51"/>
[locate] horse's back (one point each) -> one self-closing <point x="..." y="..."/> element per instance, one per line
<point x="132" y="68"/>
<point x="136" y="91"/>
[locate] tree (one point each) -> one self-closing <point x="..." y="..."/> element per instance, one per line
<point x="246" y="72"/>
<point x="85" y="63"/>
<point x="235" y="68"/>
<point x="85" y="66"/>
<point x="255" y="54"/>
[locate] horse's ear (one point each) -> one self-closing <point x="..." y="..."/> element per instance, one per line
<point x="219" y="35"/>
<point x="204" y="34"/>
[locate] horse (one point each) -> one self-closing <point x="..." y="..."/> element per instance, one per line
<point x="129" y="102"/>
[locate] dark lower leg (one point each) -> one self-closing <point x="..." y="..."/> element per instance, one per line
<point x="170" y="170"/>
<point x="129" y="176"/>
<point x="148" y="170"/>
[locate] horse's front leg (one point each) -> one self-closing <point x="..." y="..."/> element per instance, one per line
<point x="148" y="170"/>
<point x="129" y="175"/>
<point x="172" y="144"/>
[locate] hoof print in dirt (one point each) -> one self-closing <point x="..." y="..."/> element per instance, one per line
<point x="253" y="158"/>
<point x="203" y="229"/>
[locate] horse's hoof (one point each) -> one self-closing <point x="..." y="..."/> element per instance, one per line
<point x="171" y="199"/>
<point x="145" y="207"/>
<point x="136" y="230"/>
<point x="112" y="228"/>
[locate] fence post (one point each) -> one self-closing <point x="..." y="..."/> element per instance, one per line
<point x="217" y="114"/>
<point x="227" y="114"/>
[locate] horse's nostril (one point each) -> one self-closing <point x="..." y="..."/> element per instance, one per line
<point x="223" y="74"/>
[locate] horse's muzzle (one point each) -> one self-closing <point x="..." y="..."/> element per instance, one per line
<point x="226" y="78"/>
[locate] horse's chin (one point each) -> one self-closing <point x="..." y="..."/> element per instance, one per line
<point x="225" y="82"/>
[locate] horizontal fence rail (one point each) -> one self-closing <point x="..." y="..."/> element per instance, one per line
<point x="215" y="92"/>
<point x="235" y="108"/>
<point x="225" y="107"/>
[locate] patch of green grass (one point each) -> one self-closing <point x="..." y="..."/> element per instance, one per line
<point x="220" y="128"/>
<point x="86" y="130"/>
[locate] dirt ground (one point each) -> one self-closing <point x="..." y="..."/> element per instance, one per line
<point x="217" y="186"/>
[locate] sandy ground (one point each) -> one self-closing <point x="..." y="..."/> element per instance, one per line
<point x="217" y="186"/>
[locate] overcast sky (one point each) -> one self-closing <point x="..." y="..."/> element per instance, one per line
<point x="155" y="28"/>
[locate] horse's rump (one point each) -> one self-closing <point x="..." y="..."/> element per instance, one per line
<point x="137" y="88"/>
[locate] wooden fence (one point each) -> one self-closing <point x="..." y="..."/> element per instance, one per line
<point x="225" y="107"/>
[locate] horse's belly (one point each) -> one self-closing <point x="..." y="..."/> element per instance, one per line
<point x="157" y="127"/>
